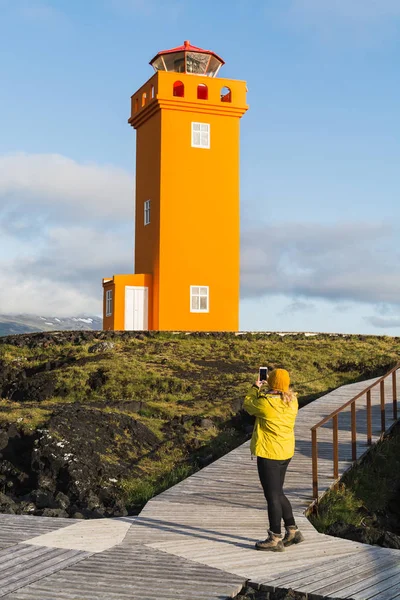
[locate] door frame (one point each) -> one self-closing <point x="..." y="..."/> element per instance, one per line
<point x="145" y="308"/>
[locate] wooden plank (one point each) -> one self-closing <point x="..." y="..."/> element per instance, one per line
<point x="45" y="562"/>
<point x="333" y="571"/>
<point x="138" y="567"/>
<point x="196" y="540"/>
<point x="349" y="585"/>
<point x="391" y="593"/>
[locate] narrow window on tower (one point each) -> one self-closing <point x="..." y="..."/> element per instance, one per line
<point x="179" y="89"/>
<point x="147" y="212"/>
<point x="108" y="303"/>
<point x="226" y="94"/>
<point x="200" y="135"/>
<point x="199" y="298"/>
<point x="202" y="92"/>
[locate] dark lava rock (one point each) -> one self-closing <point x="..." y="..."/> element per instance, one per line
<point x="43" y="499"/>
<point x="8" y="375"/>
<point x="205" y="460"/>
<point x="62" y="500"/>
<point x="249" y="593"/>
<point x="7" y="504"/>
<point x="39" y="387"/>
<point x="73" y="465"/>
<point x="71" y="457"/>
<point x="97" y="379"/>
<point x="207" y="423"/>
<point x="55" y="512"/>
<point x="101" y="347"/>
<point x="390" y="540"/>
<point x="365" y="535"/>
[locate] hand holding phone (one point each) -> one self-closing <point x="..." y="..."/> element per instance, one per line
<point x="263" y="374"/>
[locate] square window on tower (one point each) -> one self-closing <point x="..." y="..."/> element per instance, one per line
<point x="199" y="298"/>
<point x="200" y="135"/>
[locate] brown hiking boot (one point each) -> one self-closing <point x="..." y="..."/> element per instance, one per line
<point x="292" y="536"/>
<point x="273" y="542"/>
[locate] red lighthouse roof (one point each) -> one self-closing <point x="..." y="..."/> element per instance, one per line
<point x="187" y="47"/>
<point x="188" y="59"/>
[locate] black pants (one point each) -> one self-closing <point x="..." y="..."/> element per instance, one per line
<point x="272" y="476"/>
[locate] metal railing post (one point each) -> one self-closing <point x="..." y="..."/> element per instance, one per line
<point x="382" y="394"/>
<point x="394" y="394"/>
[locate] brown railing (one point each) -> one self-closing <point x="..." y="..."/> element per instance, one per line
<point x="335" y="425"/>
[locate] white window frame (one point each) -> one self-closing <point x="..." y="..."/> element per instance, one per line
<point x="147" y="212"/>
<point x="109" y="303"/>
<point x="198" y="295"/>
<point x="199" y="129"/>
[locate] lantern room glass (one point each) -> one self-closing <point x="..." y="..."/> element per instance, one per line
<point x="195" y="63"/>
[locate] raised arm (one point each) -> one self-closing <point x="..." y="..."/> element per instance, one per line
<point x="254" y="404"/>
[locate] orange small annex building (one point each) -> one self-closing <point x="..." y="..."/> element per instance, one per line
<point x="187" y="200"/>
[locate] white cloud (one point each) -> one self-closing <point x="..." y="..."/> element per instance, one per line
<point x="62" y="184"/>
<point x="35" y="295"/>
<point x="297" y="306"/>
<point x="382" y="322"/>
<point x="351" y="262"/>
<point x="64" y="278"/>
<point x="63" y="226"/>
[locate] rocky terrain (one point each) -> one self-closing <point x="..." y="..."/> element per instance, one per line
<point x="249" y="593"/>
<point x="94" y="423"/>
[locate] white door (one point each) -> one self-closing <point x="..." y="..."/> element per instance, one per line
<point x="136" y="308"/>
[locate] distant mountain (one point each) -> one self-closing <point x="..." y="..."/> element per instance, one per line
<point x="12" y="324"/>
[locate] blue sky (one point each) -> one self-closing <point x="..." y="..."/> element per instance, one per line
<point x="320" y="151"/>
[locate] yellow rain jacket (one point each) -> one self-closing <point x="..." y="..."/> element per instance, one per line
<point x="273" y="433"/>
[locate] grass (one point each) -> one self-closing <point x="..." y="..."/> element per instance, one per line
<point x="136" y="492"/>
<point x="365" y="490"/>
<point x="171" y="381"/>
<point x="26" y="417"/>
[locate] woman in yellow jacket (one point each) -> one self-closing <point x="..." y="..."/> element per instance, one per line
<point x="275" y="407"/>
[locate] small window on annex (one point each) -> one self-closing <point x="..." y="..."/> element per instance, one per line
<point x="147" y="212"/>
<point x="199" y="298"/>
<point x="179" y="89"/>
<point x="200" y="135"/>
<point x="202" y="92"/>
<point x="144" y="99"/>
<point x="226" y="94"/>
<point x="108" y="303"/>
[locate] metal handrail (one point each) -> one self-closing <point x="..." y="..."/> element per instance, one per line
<point x="334" y="416"/>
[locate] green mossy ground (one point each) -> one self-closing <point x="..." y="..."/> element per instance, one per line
<point x="366" y="502"/>
<point x="185" y="388"/>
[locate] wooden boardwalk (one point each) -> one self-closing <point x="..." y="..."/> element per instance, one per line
<point x="196" y="540"/>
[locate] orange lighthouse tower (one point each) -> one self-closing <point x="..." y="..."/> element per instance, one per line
<point x="187" y="200"/>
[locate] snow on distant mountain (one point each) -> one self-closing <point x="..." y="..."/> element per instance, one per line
<point x="12" y="324"/>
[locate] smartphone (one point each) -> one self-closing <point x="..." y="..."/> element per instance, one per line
<point x="263" y="374"/>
